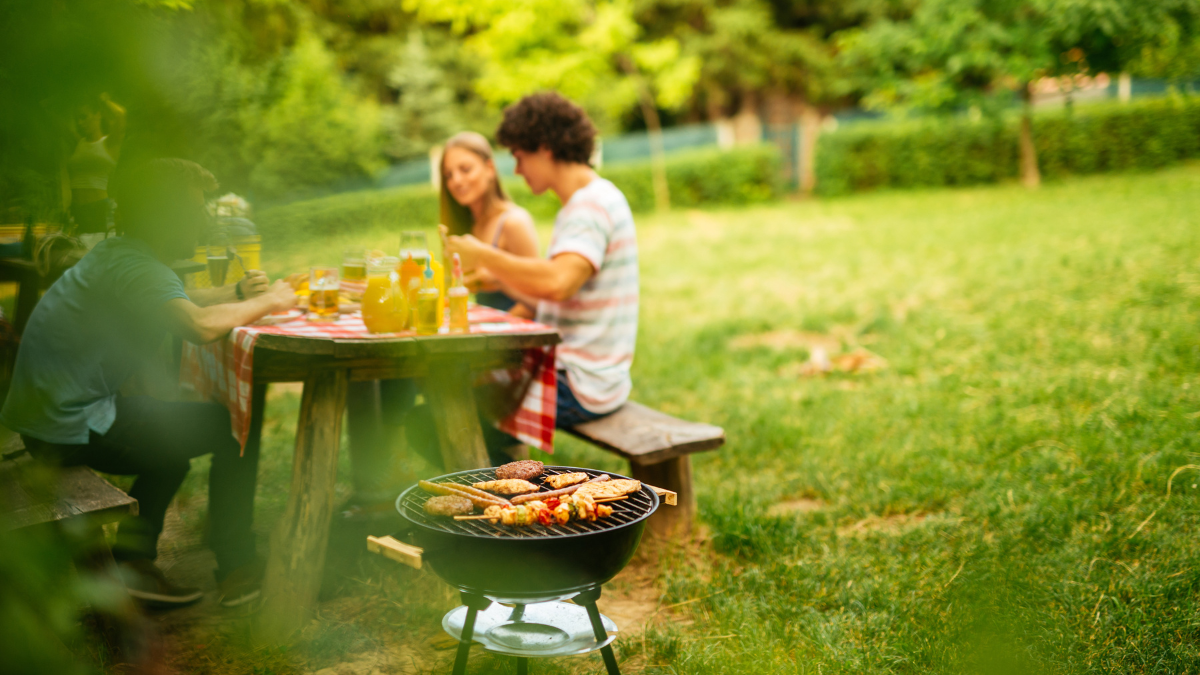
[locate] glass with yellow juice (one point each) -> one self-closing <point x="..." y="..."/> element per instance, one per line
<point x="323" y="289"/>
<point x="354" y="264"/>
<point x="384" y="306"/>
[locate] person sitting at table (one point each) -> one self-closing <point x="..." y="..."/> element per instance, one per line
<point x="103" y="319"/>
<point x="473" y="201"/>
<point x="587" y="286"/>
<point x="90" y="165"/>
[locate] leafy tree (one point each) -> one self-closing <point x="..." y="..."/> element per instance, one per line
<point x="593" y="52"/>
<point x="954" y="54"/>
<point x="426" y="112"/>
<point x="785" y="48"/>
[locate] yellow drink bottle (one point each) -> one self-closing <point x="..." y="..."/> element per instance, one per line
<point x="457" y="298"/>
<point x="384" y="307"/>
<point x="410" y="283"/>
<point x="428" y="302"/>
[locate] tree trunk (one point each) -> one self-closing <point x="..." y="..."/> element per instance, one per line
<point x="658" y="160"/>
<point x="810" y="130"/>
<point x="1030" y="176"/>
<point x="658" y="155"/>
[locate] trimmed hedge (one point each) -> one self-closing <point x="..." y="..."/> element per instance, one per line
<point x="701" y="177"/>
<point x="1143" y="134"/>
<point x="741" y="176"/>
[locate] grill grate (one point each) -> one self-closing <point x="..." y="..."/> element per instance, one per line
<point x="637" y="506"/>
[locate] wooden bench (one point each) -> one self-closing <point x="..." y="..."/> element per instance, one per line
<point x="77" y="491"/>
<point x="659" y="448"/>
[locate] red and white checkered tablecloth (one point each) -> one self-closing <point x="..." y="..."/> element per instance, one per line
<point x="224" y="370"/>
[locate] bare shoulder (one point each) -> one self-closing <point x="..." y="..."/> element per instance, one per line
<point x="519" y="236"/>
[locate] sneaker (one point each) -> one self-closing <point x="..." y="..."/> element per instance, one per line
<point x="242" y="585"/>
<point x="145" y="582"/>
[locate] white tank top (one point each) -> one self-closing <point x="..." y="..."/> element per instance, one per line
<point x="90" y="166"/>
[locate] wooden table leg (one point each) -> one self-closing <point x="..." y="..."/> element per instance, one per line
<point x="674" y="475"/>
<point x="297" y="557"/>
<point x="451" y="397"/>
<point x="27" y="298"/>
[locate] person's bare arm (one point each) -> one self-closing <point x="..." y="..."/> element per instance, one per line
<point x="255" y="283"/>
<point x="200" y="325"/>
<point x="556" y="279"/>
<point x="115" y="116"/>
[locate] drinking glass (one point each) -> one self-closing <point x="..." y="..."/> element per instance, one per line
<point x="218" y="263"/>
<point x="354" y="264"/>
<point x="323" y="289"/>
<point x="414" y="243"/>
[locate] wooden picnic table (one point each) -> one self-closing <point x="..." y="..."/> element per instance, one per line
<point x="30" y="283"/>
<point x="445" y="363"/>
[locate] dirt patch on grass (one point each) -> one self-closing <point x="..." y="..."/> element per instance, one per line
<point x="793" y="506"/>
<point x="632" y="598"/>
<point x="786" y="339"/>
<point x="891" y="525"/>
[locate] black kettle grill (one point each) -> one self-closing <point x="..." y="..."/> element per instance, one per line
<point x="514" y="581"/>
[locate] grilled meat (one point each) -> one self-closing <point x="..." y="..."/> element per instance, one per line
<point x="448" y="505"/>
<point x="478" y="497"/>
<point x="612" y="488"/>
<point x="510" y="486"/>
<point x="562" y="480"/>
<point x="525" y="469"/>
<point x="558" y="493"/>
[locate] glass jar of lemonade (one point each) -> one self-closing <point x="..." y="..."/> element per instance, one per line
<point x="384" y="307"/>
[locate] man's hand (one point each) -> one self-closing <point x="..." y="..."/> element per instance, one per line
<point x="468" y="249"/>
<point x="255" y="283"/>
<point x="480" y="279"/>
<point x="283" y="294"/>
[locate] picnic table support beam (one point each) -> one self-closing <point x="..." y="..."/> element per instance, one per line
<point x="451" y="397"/>
<point x="297" y="558"/>
<point x="674" y="475"/>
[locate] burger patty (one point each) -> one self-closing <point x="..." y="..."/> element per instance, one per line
<point x="448" y="505"/>
<point x="526" y="469"/>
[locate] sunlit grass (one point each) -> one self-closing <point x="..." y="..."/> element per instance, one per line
<point x="992" y="501"/>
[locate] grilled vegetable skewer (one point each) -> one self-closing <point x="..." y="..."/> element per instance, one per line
<point x="574" y="507"/>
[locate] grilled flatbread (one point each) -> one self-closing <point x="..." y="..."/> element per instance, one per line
<point x="609" y="488"/>
<point x="562" y="480"/>
<point x="508" y="486"/>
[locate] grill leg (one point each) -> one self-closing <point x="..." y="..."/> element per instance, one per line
<point x="588" y="600"/>
<point x="522" y="665"/>
<point x="474" y="603"/>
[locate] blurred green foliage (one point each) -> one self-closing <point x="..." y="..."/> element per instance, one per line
<point x="698" y="178"/>
<point x="704" y="178"/>
<point x="937" y="151"/>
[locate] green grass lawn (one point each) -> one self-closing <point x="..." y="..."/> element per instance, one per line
<point x="997" y="499"/>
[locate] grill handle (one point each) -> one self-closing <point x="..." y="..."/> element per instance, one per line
<point x="397" y="550"/>
<point x="668" y="497"/>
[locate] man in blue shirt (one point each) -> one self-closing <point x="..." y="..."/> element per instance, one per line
<point x="104" y="319"/>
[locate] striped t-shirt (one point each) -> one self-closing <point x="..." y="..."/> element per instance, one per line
<point x="599" y="323"/>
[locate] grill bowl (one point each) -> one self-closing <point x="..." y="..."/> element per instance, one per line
<point x="535" y="562"/>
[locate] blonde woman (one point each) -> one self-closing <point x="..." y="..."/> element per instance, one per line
<point x="474" y="202"/>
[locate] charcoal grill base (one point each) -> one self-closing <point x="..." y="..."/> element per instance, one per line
<point x="538" y="629"/>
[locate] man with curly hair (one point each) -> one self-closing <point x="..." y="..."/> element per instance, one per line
<point x="587" y="287"/>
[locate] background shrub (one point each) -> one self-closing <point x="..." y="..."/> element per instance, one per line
<point x="741" y="176"/>
<point x="1144" y="134"/>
